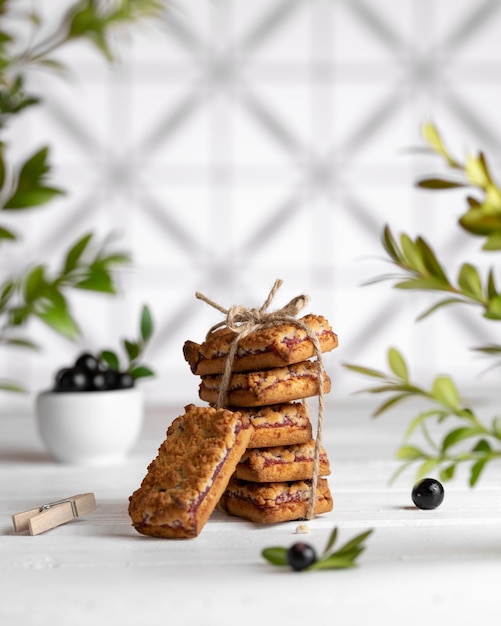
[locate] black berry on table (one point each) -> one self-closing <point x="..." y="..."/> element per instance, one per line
<point x="428" y="493"/>
<point x="300" y="556"/>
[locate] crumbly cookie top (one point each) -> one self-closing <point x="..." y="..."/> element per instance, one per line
<point x="278" y="338"/>
<point x="288" y="413"/>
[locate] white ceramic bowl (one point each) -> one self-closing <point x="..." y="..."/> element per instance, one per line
<point x="90" y="427"/>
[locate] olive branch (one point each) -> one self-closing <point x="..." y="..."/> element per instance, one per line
<point x="470" y="440"/>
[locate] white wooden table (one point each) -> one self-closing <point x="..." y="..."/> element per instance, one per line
<point x="434" y="567"/>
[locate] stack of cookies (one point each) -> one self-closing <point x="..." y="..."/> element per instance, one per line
<point x="273" y="372"/>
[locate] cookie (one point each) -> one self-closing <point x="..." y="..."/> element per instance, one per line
<point x="275" y="386"/>
<point x="191" y="471"/>
<point x="269" y="503"/>
<point x="281" y="463"/>
<point x="279" y="424"/>
<point x="268" y="348"/>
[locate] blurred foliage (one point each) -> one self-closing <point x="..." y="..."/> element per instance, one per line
<point x="30" y="43"/>
<point x="419" y="268"/>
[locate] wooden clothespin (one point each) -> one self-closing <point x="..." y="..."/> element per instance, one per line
<point x="53" y="514"/>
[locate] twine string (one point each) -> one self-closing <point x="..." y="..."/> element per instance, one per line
<point x="243" y="321"/>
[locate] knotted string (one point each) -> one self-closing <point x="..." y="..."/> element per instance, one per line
<point x="243" y="321"/>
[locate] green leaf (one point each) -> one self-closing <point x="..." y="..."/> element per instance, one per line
<point x="111" y="359"/>
<point x="333" y="562"/>
<point x="430" y="261"/>
<point x="332" y="540"/>
<point x="483" y="446"/>
<point x="2" y="167"/>
<point x="133" y="349"/>
<point x="391" y="246"/>
<point x="275" y="555"/>
<point x="433" y="138"/>
<point x="141" y="371"/>
<point x="469" y="281"/>
<point x="397" y="364"/>
<point x="31" y="190"/>
<point x="493" y="242"/>
<point x="22" y="343"/>
<point x="97" y="279"/>
<point x="476" y="470"/>
<point x="34" y="283"/>
<point x="477" y="172"/>
<point x="482" y="221"/>
<point x="445" y="392"/>
<point x="7" y="234"/>
<point x="439" y="305"/>
<point x="391" y="387"/>
<point x="60" y="320"/>
<point x="75" y="253"/>
<point x="29" y="198"/>
<point x="354" y="543"/>
<point x="428" y="284"/>
<point x="385" y="406"/>
<point x="496" y="427"/>
<point x="493" y="309"/>
<point x="409" y="453"/>
<point x="457" y="435"/>
<point x="491" y="286"/>
<point x="412" y="254"/>
<point x="490" y="349"/>
<point x="447" y="473"/>
<point x="438" y="183"/>
<point x="366" y="371"/>
<point x="7" y="385"/>
<point x="419" y="419"/>
<point x="146" y="324"/>
<point x="426" y="467"/>
<point x="118" y="258"/>
<point x="7" y="292"/>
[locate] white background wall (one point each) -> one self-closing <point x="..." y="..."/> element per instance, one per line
<point x="238" y="142"/>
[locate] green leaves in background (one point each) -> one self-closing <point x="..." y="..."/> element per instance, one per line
<point x="93" y="20"/>
<point x="38" y="293"/>
<point x="423" y="271"/>
<point x="134" y="350"/>
<point x="343" y="558"/>
<point x="483" y="214"/>
<point x="443" y="399"/>
<point x="30" y="188"/>
<point x="90" y="20"/>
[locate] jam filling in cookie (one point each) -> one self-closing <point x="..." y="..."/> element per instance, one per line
<point x="281" y="463"/>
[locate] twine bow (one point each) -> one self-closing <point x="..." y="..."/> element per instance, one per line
<point x="243" y="321"/>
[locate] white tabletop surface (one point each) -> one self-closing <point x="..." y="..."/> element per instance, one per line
<point x="433" y="567"/>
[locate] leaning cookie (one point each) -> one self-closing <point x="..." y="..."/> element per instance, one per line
<point x="267" y="348"/>
<point x="278" y="424"/>
<point x="282" y="463"/>
<point x="282" y="384"/>
<point x="185" y="481"/>
<point x="269" y="503"/>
